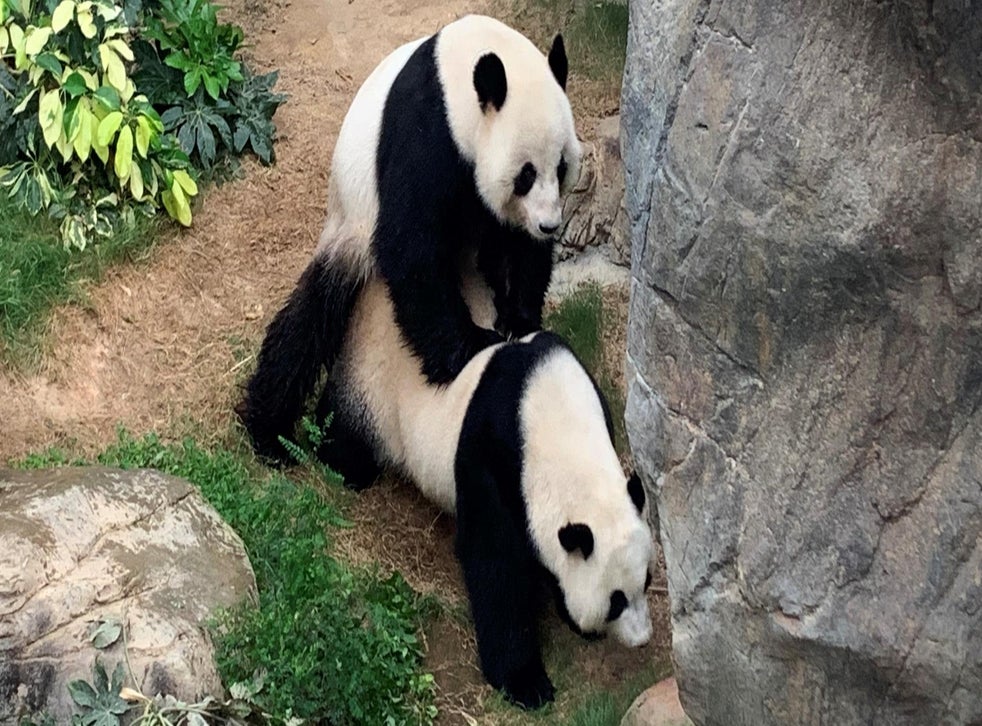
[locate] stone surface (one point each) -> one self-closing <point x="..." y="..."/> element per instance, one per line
<point x="80" y="544"/>
<point x="594" y="212"/>
<point x="657" y="706"/>
<point x="804" y="194"/>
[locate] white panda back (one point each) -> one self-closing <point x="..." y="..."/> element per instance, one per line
<point x="561" y="412"/>
<point x="353" y="194"/>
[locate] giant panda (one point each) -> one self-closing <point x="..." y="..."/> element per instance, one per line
<point x="464" y="139"/>
<point x="519" y="448"/>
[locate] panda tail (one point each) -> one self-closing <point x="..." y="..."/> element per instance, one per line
<point x="306" y="333"/>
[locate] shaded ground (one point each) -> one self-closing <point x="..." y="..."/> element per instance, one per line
<point x="163" y="345"/>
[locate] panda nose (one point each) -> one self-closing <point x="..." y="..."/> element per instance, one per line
<point x="548" y="228"/>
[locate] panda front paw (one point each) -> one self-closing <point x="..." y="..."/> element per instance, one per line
<point x="529" y="687"/>
<point x="484" y="338"/>
<point x="439" y="371"/>
<point x="518" y="326"/>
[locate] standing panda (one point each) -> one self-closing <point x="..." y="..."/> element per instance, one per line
<point x="462" y="140"/>
<point x="519" y="447"/>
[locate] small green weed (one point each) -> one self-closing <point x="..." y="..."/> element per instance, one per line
<point x="337" y="644"/>
<point x="607" y="708"/>
<point x="598" y="38"/>
<point x="579" y="319"/>
<point x="37" y="272"/>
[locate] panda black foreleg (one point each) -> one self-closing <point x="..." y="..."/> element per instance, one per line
<point x="434" y="318"/>
<point x="306" y="333"/>
<point x="499" y="572"/>
<point x="518" y="269"/>
<point x="344" y="448"/>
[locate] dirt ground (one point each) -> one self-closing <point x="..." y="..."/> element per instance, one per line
<point x="165" y="343"/>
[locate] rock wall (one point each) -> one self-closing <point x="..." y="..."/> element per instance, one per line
<point x="804" y="194"/>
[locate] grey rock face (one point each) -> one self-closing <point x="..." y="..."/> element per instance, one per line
<point x="804" y="193"/>
<point x="80" y="544"/>
<point x="594" y="212"/>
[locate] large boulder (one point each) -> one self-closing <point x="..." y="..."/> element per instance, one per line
<point x="804" y="191"/>
<point x="79" y="545"/>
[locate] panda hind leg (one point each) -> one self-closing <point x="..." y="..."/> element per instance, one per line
<point x="345" y="448"/>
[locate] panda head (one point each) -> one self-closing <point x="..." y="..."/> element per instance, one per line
<point x="510" y="118"/>
<point x="602" y="570"/>
<point x="526" y="154"/>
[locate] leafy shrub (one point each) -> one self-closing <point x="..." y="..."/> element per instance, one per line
<point x="97" y="124"/>
<point x="213" y="103"/>
<point x="69" y="74"/>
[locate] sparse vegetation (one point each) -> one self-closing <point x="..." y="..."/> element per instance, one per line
<point x="595" y="33"/>
<point x="607" y="708"/>
<point x="37" y="272"/>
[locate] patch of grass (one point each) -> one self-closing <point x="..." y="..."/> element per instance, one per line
<point x="37" y="273"/>
<point x="580" y="699"/>
<point x="579" y="319"/>
<point x="338" y="644"/>
<point x="607" y="708"/>
<point x="595" y="33"/>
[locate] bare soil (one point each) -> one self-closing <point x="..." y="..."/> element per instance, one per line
<point x="164" y="345"/>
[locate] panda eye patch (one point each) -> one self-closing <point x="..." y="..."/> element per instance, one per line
<point x="618" y="603"/>
<point x="525" y="179"/>
<point x="561" y="170"/>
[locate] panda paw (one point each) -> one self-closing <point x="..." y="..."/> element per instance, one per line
<point x="439" y="371"/>
<point x="529" y="687"/>
<point x="518" y="326"/>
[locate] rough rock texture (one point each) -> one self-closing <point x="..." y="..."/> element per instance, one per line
<point x="595" y="216"/>
<point x="80" y="544"/>
<point x="657" y="706"/>
<point x="804" y="191"/>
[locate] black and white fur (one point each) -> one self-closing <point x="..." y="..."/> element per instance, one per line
<point x="464" y="139"/>
<point x="519" y="448"/>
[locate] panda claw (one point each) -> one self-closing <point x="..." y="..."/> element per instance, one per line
<point x="530" y="688"/>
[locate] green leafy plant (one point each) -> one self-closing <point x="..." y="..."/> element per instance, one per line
<point x="197" y="44"/>
<point x="105" y="702"/>
<point x="99" y="702"/>
<point x="68" y="69"/>
<point x="107" y="108"/>
<point x="214" y="105"/>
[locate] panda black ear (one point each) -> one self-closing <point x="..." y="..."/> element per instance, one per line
<point x="557" y="60"/>
<point x="577" y="537"/>
<point x="636" y="490"/>
<point x="490" y="82"/>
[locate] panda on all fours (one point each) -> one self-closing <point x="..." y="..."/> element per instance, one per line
<point x="519" y="448"/>
<point x="463" y="140"/>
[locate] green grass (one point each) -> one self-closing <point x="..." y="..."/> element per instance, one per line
<point x="595" y="33"/>
<point x="598" y="38"/>
<point x="579" y="318"/>
<point x="339" y="644"/>
<point x="37" y="273"/>
<point x="607" y="708"/>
